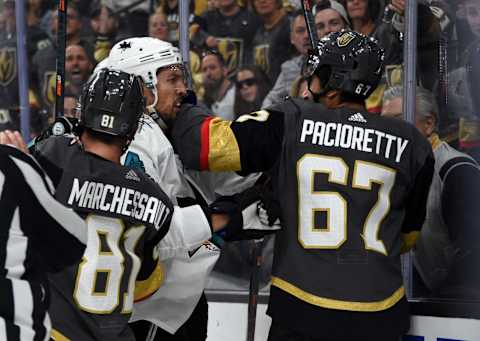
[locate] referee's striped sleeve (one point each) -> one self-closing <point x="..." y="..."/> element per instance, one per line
<point x="55" y="233"/>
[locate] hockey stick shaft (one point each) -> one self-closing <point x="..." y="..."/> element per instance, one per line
<point x="253" y="289"/>
<point x="61" y="46"/>
<point x="307" y="6"/>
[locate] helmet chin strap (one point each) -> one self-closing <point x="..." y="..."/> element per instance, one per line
<point x="153" y="112"/>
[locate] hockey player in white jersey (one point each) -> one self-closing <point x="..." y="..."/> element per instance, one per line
<point x="160" y="66"/>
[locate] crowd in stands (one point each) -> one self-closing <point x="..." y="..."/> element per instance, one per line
<point x="249" y="54"/>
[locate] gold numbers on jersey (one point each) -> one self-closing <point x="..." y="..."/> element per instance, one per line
<point x="335" y="206"/>
<point x="99" y="276"/>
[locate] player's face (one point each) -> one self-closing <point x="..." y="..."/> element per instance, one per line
<point x="357" y="9"/>
<point x="171" y="89"/>
<point x="328" y="21"/>
<point x="472" y="11"/>
<point x="299" y="35"/>
<point x="158" y="27"/>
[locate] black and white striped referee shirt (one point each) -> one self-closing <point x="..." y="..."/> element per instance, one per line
<point x="37" y="235"/>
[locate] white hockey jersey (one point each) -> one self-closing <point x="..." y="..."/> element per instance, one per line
<point x="185" y="273"/>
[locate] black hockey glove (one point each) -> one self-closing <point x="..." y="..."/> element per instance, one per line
<point x="61" y="126"/>
<point x="244" y="210"/>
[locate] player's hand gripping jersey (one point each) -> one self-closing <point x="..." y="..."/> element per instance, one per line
<point x="342" y="177"/>
<point x="127" y="215"/>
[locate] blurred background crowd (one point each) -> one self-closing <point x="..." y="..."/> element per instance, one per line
<point x="248" y="54"/>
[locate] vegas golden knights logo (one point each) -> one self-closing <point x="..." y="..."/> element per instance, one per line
<point x="345" y="39"/>
<point x="8" y="65"/>
<point x="261" y="57"/>
<point x="232" y="52"/>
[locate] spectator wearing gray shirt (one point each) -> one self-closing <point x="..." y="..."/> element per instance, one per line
<point x="330" y="16"/>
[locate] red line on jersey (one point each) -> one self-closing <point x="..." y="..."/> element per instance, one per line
<point x="205" y="143"/>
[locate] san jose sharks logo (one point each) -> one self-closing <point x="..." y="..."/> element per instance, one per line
<point x="8" y="65"/>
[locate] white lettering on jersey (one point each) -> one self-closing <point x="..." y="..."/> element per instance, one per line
<point x="115" y="199"/>
<point x="353" y="137"/>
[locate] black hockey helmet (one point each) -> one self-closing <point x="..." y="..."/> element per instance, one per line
<point x="112" y="102"/>
<point x="355" y="61"/>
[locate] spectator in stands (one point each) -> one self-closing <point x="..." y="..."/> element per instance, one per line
<point x="330" y="16"/>
<point x="105" y="25"/>
<point x="44" y="61"/>
<point x="366" y="18"/>
<point x="435" y="29"/>
<point x="472" y="13"/>
<point x="230" y="29"/>
<point x="158" y="26"/>
<point x="170" y="8"/>
<point x="70" y="105"/>
<point x="219" y="90"/>
<point x="292" y="67"/>
<point x="78" y="67"/>
<point x="251" y="87"/>
<point x="36" y="37"/>
<point x="271" y="44"/>
<point x="300" y="88"/>
<point x="9" y="94"/>
<point x="134" y="21"/>
<point x="464" y="102"/>
<point x="447" y="253"/>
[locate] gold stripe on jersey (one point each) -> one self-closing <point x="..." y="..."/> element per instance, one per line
<point x="146" y="288"/>
<point x="224" y="153"/>
<point x="330" y="303"/>
<point x="57" y="336"/>
<point x="409" y="240"/>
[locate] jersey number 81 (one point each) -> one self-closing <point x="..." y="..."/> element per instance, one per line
<point x="103" y="261"/>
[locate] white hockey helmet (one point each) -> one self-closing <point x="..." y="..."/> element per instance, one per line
<point x="143" y="57"/>
<point x="105" y="63"/>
